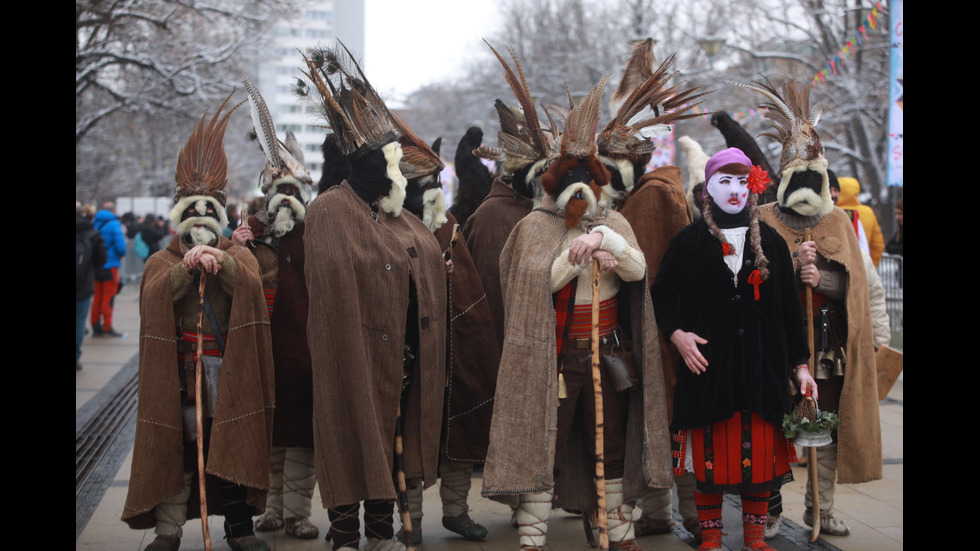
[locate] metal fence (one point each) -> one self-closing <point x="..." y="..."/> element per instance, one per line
<point x="891" y="271"/>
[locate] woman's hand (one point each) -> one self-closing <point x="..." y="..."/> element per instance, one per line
<point x="805" y="381"/>
<point x="687" y="344"/>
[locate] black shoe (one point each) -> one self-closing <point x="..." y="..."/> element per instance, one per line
<point x="110" y="332"/>
<point x="465" y="526"/>
<point x="248" y="543"/>
<point x="97" y="329"/>
<point x="164" y="543"/>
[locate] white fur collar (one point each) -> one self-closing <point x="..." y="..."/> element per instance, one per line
<point x="392" y="203"/>
<point x="434" y="208"/>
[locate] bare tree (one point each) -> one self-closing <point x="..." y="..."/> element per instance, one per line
<point x="145" y="71"/>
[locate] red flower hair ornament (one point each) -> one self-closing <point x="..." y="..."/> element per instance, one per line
<point x="757" y="180"/>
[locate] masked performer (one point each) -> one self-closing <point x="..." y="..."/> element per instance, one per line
<point x="472" y="352"/>
<point x="275" y="237"/>
<point x="163" y="487"/>
<point x="542" y="441"/>
<point x="725" y="296"/>
<point x="377" y="288"/>
<point x="832" y="265"/>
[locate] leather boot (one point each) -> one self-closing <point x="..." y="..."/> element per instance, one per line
<point x="454" y="489"/>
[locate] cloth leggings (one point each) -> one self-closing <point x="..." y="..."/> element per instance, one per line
<point x="345" y="526"/>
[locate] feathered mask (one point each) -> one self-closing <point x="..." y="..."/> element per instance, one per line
<point x="794" y="124"/>
<point x="282" y="164"/>
<point x="358" y="116"/>
<point x="202" y="167"/>
<point x="575" y="179"/>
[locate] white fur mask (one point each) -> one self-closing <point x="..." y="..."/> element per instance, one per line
<point x="285" y="211"/>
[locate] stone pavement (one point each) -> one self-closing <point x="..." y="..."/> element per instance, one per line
<point x="107" y="384"/>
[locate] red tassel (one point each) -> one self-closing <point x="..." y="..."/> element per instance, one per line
<point x="755" y="278"/>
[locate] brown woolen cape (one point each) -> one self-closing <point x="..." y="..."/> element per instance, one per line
<point x="656" y="209"/>
<point x="486" y="231"/>
<point x="859" y="456"/>
<point x="357" y="273"/>
<point x="473" y="356"/>
<point x="241" y="433"/>
<point x="525" y="417"/>
<point x="285" y="272"/>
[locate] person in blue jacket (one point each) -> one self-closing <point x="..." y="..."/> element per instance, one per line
<point x="107" y="278"/>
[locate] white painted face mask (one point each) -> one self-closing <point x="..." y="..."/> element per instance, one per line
<point x="729" y="192"/>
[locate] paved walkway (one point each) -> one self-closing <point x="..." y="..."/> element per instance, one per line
<point x="874" y="510"/>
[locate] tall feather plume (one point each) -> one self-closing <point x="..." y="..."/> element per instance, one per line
<point x="639" y="68"/>
<point x="282" y="163"/>
<point x="356" y="113"/>
<point x="202" y="167"/>
<point x="652" y="104"/>
<point x="792" y="118"/>
<point x="578" y="137"/>
<point x="524" y="134"/>
<point x="265" y="130"/>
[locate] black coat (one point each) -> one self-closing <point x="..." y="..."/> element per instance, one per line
<point x="753" y="345"/>
<point x="90" y="254"/>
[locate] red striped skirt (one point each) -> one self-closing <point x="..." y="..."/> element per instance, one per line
<point x="741" y="454"/>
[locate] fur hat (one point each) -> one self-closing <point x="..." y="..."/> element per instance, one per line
<point x="696" y="160"/>
<point x="473" y="177"/>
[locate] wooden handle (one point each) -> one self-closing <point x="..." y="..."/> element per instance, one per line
<point x="811" y="452"/>
<point x="600" y="463"/>
<point x="406" y="514"/>
<point x="199" y="411"/>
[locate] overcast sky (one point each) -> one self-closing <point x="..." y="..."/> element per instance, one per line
<point x="410" y="43"/>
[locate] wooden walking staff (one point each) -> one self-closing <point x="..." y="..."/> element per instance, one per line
<point x="402" y="484"/>
<point x="811" y="463"/>
<point x="600" y="464"/>
<point x="199" y="411"/>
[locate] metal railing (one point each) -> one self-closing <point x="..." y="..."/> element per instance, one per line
<point x="891" y="271"/>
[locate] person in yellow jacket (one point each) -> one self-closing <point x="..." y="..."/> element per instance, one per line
<point x="848" y="200"/>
